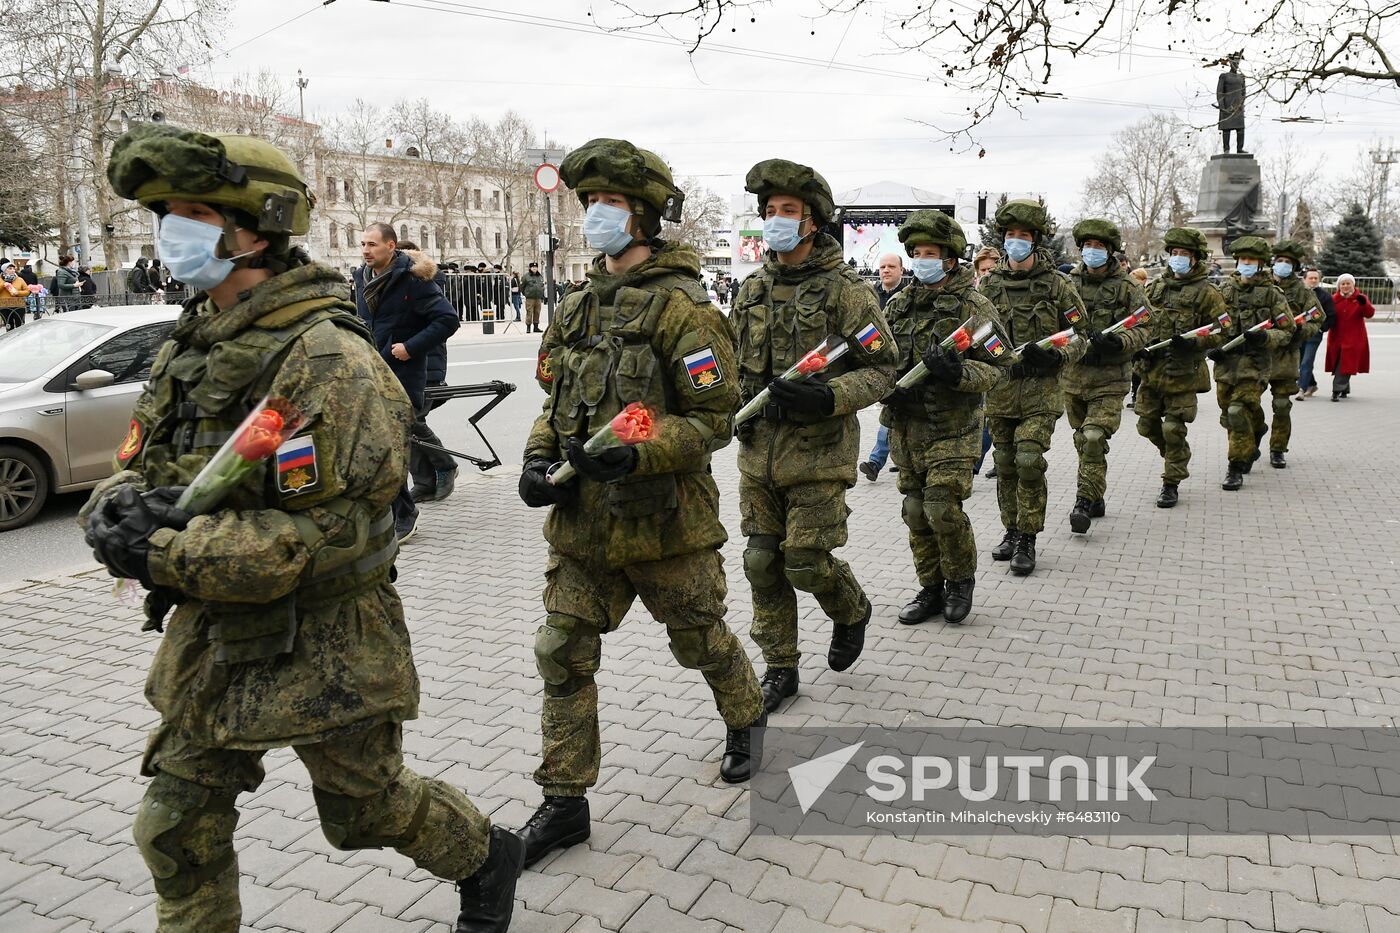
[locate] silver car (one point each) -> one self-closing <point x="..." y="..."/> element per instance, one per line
<point x="68" y="384"/>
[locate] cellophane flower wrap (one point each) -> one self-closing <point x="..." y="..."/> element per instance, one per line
<point x="1266" y="324"/>
<point x="271" y="423"/>
<point x="813" y="362"/>
<point x="1139" y="316"/>
<point x="635" y="424"/>
<point x="1206" y="330"/>
<point x="960" y="340"/>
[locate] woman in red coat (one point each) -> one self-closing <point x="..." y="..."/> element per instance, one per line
<point x="1348" y="350"/>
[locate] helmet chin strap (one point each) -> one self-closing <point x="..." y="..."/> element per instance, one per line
<point x="228" y="244"/>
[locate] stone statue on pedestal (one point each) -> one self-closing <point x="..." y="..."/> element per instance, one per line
<point x="1229" y="100"/>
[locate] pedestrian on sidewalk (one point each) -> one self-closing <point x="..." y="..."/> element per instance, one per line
<point x="515" y="296"/>
<point x="1307" y="382"/>
<point x="14" y="293"/>
<point x="532" y="287"/>
<point x="395" y="293"/>
<point x="287" y="630"/>
<point x="890" y="283"/>
<point x="66" y="283"/>
<point x="1348" y="348"/>
<point x="434" y="472"/>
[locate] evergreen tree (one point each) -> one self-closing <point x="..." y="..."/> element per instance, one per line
<point x="988" y="232"/>
<point x="1354" y="247"/>
<point x="1302" y="229"/>
<point x="1056" y="240"/>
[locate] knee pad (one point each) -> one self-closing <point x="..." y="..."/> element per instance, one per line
<point x="1174" y="429"/>
<point x="561" y="656"/>
<point x="1237" y="419"/>
<point x="1150" y="427"/>
<point x="914" y="512"/>
<point x="809" y="570"/>
<point x="763" y="562"/>
<point x="356" y="822"/>
<point x="1005" y="459"/>
<point x="1095" y="441"/>
<point x="938" y="507"/>
<point x="171" y="811"/>
<point x="1030" y="463"/>
<point x="1283" y="404"/>
<point x="697" y="649"/>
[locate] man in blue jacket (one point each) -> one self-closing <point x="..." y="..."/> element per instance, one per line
<point x="409" y="316"/>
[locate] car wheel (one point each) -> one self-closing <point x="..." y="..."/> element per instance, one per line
<point x="24" y="486"/>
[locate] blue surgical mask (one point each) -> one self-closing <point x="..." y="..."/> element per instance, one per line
<point x="1283" y="269"/>
<point x="605" y="228"/>
<point x="1180" y="264"/>
<point x="1247" y="269"/>
<point x="189" y="250"/>
<point x="1094" y="257"/>
<point x="1016" y="249"/>
<point x="780" y="233"/>
<point x="928" y="271"/>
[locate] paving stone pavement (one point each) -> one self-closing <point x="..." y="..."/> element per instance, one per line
<point x="1274" y="605"/>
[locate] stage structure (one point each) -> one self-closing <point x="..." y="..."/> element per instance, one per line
<point x="871" y="215"/>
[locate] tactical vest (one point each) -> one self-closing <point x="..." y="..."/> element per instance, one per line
<point x="1248" y="306"/>
<point x="777" y="323"/>
<point x="1034" y="305"/>
<point x="917" y="326"/>
<point x="1300" y="298"/>
<point x="195" y="402"/>
<point x="1107" y="301"/>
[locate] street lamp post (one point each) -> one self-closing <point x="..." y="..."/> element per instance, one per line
<point x="302" y="84"/>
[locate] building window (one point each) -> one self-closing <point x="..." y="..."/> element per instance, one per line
<point x="350" y="235"/>
<point x="373" y="190"/>
<point x="330" y="188"/>
<point x="495" y="200"/>
<point x="507" y="202"/>
<point x="403" y="232"/>
<point x="335" y="236"/>
<point x="498" y="241"/>
<point x="477" y="236"/>
<point x="403" y="194"/>
<point x="476" y="198"/>
<point x="423" y="237"/>
<point x="466" y="238"/>
<point x="349" y="191"/>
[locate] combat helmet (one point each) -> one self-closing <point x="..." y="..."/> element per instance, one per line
<point x="618" y="166"/>
<point x="1291" y="249"/>
<point x="1096" y="228"/>
<point x="1255" y="247"/>
<point x="1187" y="238"/>
<point x="779" y="176"/>
<point x="259" y="187"/>
<point x="1023" y="212"/>
<point x="932" y="228"/>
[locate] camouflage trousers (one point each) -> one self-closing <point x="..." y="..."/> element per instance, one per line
<point x="584" y="601"/>
<point x="940" y="533"/>
<point x="1281" y="431"/>
<point x="1095" y="419"/>
<point x="1018" y="449"/>
<point x="792" y="531"/>
<point x="1162" y="419"/>
<point x="365" y="797"/>
<point x="1242" y="417"/>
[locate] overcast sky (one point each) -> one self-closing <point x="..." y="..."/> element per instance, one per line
<point x="715" y="113"/>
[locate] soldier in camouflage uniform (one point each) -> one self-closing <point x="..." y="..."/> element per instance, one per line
<point x="638" y="521"/>
<point x="1096" y="385"/>
<point x="1182" y="299"/>
<point x="1242" y="372"/>
<point x="1283" y="377"/>
<point x="287" y="630"/>
<point x="936" y="425"/>
<point x="798" y="458"/>
<point x="1034" y="301"/>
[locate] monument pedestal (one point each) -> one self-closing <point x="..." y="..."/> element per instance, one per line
<point x="1228" y="201"/>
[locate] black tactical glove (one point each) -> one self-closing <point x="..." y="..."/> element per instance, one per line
<point x="119" y="530"/>
<point x="1106" y="343"/>
<point x="810" y="397"/>
<point x="1182" y="346"/>
<point x="1255" y="338"/>
<point x="899" y="396"/>
<point x="1038" y="361"/>
<point x="536" y="491"/>
<point x="944" y="365"/>
<point x="1215" y="355"/>
<point x="1142" y="356"/>
<point x="606" y="466"/>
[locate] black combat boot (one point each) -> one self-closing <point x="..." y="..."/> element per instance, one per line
<point x="1234" y="476"/>
<point x="847" y="642"/>
<point x="1249" y="464"/>
<point x="558" y="823"/>
<point x="1007" y="547"/>
<point x="1079" y="516"/>
<point x="743" y="752"/>
<point x="927" y="604"/>
<point x="1277" y="461"/>
<point x="488" y="896"/>
<point x="1023" y="561"/>
<point x="1096" y="509"/>
<point x="778" y="684"/>
<point x="1167" y="498"/>
<point x="957" y="603"/>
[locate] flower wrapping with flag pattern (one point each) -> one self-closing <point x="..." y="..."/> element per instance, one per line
<point x="635" y="424"/>
<point x="813" y="362"/>
<point x="959" y="340"/>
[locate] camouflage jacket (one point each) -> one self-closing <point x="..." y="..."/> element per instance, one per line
<point x="649" y="335"/>
<point x="288" y="629"/>
<point x="1250" y="301"/>
<point x="1033" y="305"/>
<point x="1108" y="296"/>
<point x="1180" y="305"/>
<point x="937" y="421"/>
<point x="1300" y="299"/>
<point x="781" y="313"/>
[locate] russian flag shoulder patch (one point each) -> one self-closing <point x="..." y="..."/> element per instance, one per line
<point x="994" y="346"/>
<point x="702" y="369"/>
<point x="296" y="465"/>
<point x="869" y="338"/>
